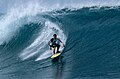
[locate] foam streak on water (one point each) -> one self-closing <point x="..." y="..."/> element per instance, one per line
<point x="41" y="43"/>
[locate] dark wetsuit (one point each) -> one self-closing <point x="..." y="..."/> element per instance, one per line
<point x="55" y="43"/>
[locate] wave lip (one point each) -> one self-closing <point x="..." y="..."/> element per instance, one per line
<point x="44" y="5"/>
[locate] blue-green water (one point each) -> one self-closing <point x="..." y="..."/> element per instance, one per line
<point x="92" y="45"/>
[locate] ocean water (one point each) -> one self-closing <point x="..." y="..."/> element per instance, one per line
<point x="91" y="36"/>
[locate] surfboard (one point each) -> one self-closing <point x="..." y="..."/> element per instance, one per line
<point x="55" y="55"/>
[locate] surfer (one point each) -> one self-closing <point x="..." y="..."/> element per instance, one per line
<point x="55" y="43"/>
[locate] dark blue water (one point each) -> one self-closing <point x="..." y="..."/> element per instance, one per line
<point x="92" y="46"/>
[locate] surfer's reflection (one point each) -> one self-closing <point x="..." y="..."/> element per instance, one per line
<point x="58" y="67"/>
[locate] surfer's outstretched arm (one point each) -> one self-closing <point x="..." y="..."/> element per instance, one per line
<point x="49" y="43"/>
<point x="62" y="43"/>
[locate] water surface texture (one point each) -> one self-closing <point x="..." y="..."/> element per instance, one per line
<point x="91" y="36"/>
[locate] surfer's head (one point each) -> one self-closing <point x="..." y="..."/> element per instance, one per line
<point x="55" y="35"/>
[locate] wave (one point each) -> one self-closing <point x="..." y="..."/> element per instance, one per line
<point x="91" y="36"/>
<point x="41" y="42"/>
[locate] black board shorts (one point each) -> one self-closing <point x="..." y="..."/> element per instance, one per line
<point x="55" y="45"/>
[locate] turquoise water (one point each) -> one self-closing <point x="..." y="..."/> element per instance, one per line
<point x="92" y="45"/>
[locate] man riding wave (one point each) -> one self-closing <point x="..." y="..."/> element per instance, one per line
<point x="55" y="43"/>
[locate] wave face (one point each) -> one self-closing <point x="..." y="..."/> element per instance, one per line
<point x="91" y="36"/>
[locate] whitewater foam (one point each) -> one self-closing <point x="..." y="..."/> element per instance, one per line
<point x="13" y="19"/>
<point x="48" y="5"/>
<point x="40" y="45"/>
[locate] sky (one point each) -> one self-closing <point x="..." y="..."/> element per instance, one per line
<point x="7" y="4"/>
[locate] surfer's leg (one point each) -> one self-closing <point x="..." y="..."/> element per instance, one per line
<point x="58" y="46"/>
<point x="54" y="50"/>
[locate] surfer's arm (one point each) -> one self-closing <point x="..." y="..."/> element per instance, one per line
<point x="49" y="43"/>
<point x="62" y="42"/>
